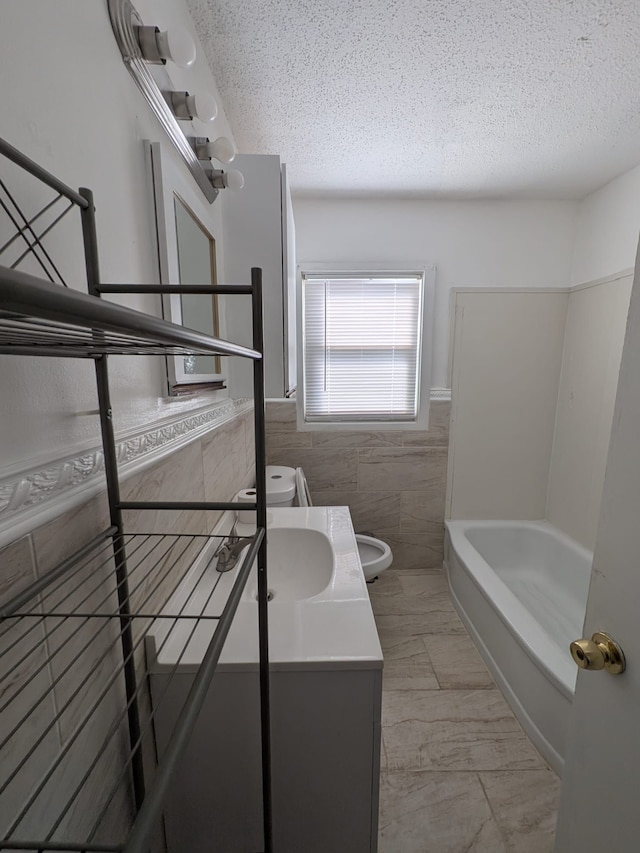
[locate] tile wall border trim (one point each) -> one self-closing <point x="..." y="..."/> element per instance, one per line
<point x="37" y="495"/>
<point x="438" y="394"/>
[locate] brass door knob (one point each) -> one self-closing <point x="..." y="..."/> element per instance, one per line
<point x="600" y="652"/>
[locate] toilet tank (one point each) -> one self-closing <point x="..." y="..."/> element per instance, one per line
<point x="281" y="485"/>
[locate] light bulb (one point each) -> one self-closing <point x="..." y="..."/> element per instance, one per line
<point x="186" y="106"/>
<point x="233" y="179"/>
<point x="221" y="149"/>
<point x="202" y="106"/>
<point x="177" y="45"/>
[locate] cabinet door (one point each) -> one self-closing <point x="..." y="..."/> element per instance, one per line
<point x="289" y="285"/>
<point x="252" y="237"/>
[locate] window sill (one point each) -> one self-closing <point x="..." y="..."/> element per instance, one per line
<point x="363" y="426"/>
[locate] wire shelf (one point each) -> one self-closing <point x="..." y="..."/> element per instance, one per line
<point x="65" y="752"/>
<point x="77" y="749"/>
<point x="41" y="318"/>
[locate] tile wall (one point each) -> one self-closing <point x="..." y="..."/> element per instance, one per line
<point x="212" y="467"/>
<point x="393" y="482"/>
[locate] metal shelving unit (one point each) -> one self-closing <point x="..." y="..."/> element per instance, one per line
<point x="93" y="781"/>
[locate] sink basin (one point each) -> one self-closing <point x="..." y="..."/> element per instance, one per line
<point x="300" y="564"/>
<point x="320" y="612"/>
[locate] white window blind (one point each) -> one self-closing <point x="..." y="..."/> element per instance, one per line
<point x="361" y="351"/>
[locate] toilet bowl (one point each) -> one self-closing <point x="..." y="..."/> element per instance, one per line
<point x="375" y="555"/>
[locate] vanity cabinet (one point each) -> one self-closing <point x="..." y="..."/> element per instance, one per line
<point x="326" y="687"/>
<point x="325" y="735"/>
<point x="258" y="229"/>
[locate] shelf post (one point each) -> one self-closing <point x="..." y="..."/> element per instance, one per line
<point x="113" y="494"/>
<point x="261" y="520"/>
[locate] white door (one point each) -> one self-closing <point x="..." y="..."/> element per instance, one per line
<point x="600" y="802"/>
<point x="289" y="286"/>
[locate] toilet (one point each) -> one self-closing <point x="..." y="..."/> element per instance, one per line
<point x="375" y="555"/>
<point x="288" y="487"/>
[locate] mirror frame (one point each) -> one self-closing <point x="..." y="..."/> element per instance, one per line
<point x="169" y="184"/>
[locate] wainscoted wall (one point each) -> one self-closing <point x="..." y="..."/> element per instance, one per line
<point x="393" y="482"/>
<point x="213" y="466"/>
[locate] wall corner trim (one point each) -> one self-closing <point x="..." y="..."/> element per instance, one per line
<point x="608" y="279"/>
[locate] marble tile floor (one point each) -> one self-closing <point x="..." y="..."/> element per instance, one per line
<point x="458" y="773"/>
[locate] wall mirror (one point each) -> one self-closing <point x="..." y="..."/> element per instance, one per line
<point x="187" y="254"/>
<point x="196" y="265"/>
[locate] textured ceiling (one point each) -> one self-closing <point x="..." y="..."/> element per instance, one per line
<point x="435" y="98"/>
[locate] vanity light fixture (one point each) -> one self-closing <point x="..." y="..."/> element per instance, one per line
<point x="187" y="107"/>
<point x="221" y="149"/>
<point x="146" y="51"/>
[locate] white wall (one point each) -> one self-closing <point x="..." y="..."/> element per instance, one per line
<point x="507" y="352"/>
<point x="70" y="104"/>
<point x="472" y="244"/>
<point x="607" y="229"/>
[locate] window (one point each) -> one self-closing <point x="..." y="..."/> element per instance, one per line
<point x="362" y="347"/>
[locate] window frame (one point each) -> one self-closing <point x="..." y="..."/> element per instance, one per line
<point x="332" y="270"/>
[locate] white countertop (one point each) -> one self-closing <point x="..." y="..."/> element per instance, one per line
<point x="334" y="629"/>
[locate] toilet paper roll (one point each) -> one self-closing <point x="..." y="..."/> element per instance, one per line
<point x="246" y="516"/>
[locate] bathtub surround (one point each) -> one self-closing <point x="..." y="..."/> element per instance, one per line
<point x="449" y="737"/>
<point x="596" y="321"/>
<point x="605" y="250"/>
<point x="530" y="434"/>
<point x="393" y="482"/>
<point x="506" y="356"/>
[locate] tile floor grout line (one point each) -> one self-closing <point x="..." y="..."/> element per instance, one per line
<point x="491" y="809"/>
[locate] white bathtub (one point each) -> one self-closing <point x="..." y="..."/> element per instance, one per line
<point x="521" y="589"/>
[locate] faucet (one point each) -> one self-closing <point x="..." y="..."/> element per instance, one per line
<point x="229" y="552"/>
